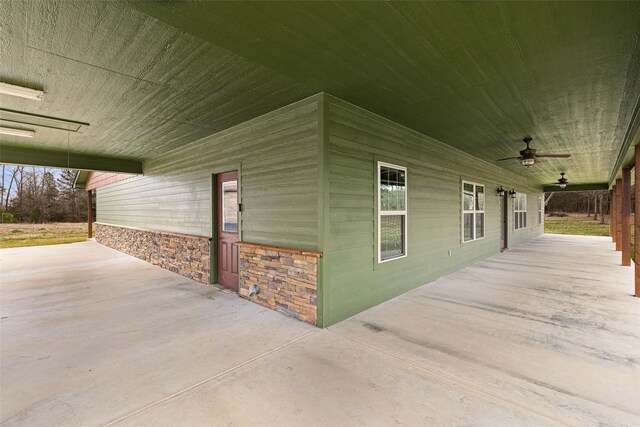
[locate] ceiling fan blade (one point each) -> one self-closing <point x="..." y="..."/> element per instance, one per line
<point x="558" y="156"/>
<point x="508" y="158"/>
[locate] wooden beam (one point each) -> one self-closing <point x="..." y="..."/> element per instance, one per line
<point x="626" y="217"/>
<point x="61" y="159"/>
<point x="619" y="214"/>
<point x="636" y="222"/>
<point x="90" y="214"/>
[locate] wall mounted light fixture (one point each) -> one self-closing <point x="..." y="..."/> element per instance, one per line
<point x="501" y="191"/>
<point x="513" y="193"/>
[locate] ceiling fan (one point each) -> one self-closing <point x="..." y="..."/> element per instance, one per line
<point x="562" y="181"/>
<point x="528" y="156"/>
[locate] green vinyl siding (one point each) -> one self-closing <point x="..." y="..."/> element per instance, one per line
<point x="357" y="140"/>
<point x="309" y="181"/>
<point x="278" y="153"/>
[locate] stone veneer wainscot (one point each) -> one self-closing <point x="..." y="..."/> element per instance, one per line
<point x="181" y="253"/>
<point x="287" y="279"/>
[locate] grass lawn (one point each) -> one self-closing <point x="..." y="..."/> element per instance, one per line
<point x="583" y="225"/>
<point x="18" y="235"/>
<point x="576" y="224"/>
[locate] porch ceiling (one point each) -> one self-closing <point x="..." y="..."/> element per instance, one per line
<point x="152" y="76"/>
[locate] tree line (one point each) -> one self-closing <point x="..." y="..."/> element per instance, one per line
<point x="39" y="195"/>
<point x="588" y="202"/>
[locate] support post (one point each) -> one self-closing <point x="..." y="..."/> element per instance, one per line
<point x="612" y="222"/>
<point x="626" y="217"/>
<point x="636" y="223"/>
<point x="619" y="214"/>
<point x="90" y="214"/>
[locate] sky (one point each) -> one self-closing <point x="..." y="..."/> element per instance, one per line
<point x="8" y="171"/>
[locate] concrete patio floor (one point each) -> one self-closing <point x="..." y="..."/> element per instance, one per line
<point x="544" y="334"/>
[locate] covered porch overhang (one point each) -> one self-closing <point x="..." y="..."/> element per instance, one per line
<point x="151" y="77"/>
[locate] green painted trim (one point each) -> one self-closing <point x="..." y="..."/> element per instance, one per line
<point x="60" y="159"/>
<point x="323" y="208"/>
<point x="81" y="179"/>
<point x="625" y="155"/>
<point x="577" y="187"/>
<point x="213" y="247"/>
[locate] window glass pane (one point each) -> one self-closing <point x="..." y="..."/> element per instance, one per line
<point x="479" y="198"/>
<point x="479" y="225"/>
<point x="515" y="221"/>
<point x="468" y="200"/>
<point x="230" y="206"/>
<point x="391" y="236"/>
<point x="392" y="189"/>
<point x="393" y="176"/>
<point x="385" y="194"/>
<point x="401" y="178"/>
<point x="402" y="199"/>
<point x="524" y="219"/>
<point x="468" y="227"/>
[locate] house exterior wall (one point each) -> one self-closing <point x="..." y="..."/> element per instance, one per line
<point x="278" y="154"/>
<point x="355" y="141"/>
<point x="308" y="182"/>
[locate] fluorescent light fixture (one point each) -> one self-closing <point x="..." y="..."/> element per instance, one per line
<point x="17" y="132"/>
<point x="11" y="117"/>
<point x="22" y="92"/>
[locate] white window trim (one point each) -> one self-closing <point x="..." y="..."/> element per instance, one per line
<point x="540" y="210"/>
<point x="474" y="212"/>
<point x="404" y="212"/>
<point x="518" y="195"/>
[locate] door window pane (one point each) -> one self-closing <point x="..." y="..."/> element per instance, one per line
<point x="230" y="206"/>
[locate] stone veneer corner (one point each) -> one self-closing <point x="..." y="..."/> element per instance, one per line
<point x="287" y="279"/>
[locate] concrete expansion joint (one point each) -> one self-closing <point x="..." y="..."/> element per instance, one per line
<point x="209" y="379"/>
<point x="452" y="378"/>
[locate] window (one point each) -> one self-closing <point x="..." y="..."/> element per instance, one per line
<point x="472" y="211"/>
<point x="540" y="210"/>
<point x="392" y="212"/>
<point x="230" y="206"/>
<point x="520" y="211"/>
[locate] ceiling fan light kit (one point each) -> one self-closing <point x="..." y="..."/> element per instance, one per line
<point x="528" y="156"/>
<point x="528" y="161"/>
<point x="562" y="181"/>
